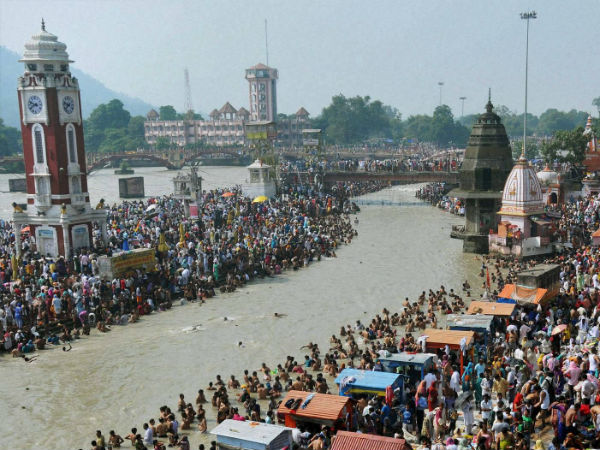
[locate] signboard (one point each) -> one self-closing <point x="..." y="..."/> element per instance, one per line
<point x="115" y="266"/>
<point x="193" y="211"/>
<point x="256" y="135"/>
<point x="310" y="142"/>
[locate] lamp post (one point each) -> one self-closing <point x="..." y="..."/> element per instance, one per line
<point x="462" y="108"/>
<point x="440" y="84"/>
<point x="526" y="16"/>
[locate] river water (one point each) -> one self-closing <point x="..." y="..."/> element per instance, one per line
<point x="119" y="379"/>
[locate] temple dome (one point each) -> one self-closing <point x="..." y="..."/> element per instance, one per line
<point x="45" y="46"/>
<point x="522" y="195"/>
<point x="548" y="176"/>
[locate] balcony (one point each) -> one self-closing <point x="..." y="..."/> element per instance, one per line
<point x="77" y="199"/>
<point x="43" y="201"/>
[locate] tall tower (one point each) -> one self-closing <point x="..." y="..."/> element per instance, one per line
<point x="58" y="205"/>
<point x="262" y="87"/>
<point x="487" y="163"/>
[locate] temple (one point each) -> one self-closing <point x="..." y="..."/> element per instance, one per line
<point x="487" y="162"/>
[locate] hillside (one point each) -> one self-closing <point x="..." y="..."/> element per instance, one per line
<point x="93" y="91"/>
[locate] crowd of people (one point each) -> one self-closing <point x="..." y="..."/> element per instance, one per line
<point x="53" y="301"/>
<point x="437" y="195"/>
<point x="535" y="385"/>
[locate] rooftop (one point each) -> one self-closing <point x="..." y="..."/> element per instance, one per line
<point x="263" y="433"/>
<point x="322" y="406"/>
<point x="347" y="440"/>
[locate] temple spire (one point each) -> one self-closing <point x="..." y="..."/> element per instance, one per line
<point x="43" y="25"/>
<point x="489" y="107"/>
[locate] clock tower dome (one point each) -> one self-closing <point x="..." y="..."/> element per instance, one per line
<point x="58" y="206"/>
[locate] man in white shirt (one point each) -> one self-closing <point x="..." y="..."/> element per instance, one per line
<point x="455" y="380"/>
<point x="430" y="378"/>
<point x="486" y="408"/>
<point x="148" y="435"/>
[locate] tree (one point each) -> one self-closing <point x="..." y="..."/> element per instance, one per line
<point x="10" y="140"/>
<point x="567" y="146"/>
<point x="167" y="112"/>
<point x="356" y="119"/>
<point x="135" y="132"/>
<point x="596" y="103"/>
<point x="548" y="152"/>
<point x="531" y="152"/>
<point x="419" y="127"/>
<point x="553" y="120"/>
<point x="109" y="115"/>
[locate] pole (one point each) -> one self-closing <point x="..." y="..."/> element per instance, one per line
<point x="266" y="43"/>
<point x="526" y="16"/>
<point x="526" y="80"/>
<point x="462" y="108"/>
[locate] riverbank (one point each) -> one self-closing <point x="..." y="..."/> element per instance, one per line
<point x="437" y="195"/>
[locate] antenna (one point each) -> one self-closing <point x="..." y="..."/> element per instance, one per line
<point x="188" y="107"/>
<point x="266" y="42"/>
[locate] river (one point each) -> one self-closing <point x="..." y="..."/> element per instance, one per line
<point x="119" y="379"/>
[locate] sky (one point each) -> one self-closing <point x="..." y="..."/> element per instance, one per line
<point x="393" y="51"/>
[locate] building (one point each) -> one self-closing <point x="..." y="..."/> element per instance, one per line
<point x="58" y="211"/>
<point x="262" y="92"/>
<point x="552" y="189"/>
<point x="486" y="164"/>
<point x="524" y="229"/>
<point x="225" y="126"/>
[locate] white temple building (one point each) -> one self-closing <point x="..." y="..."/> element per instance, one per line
<point x="552" y="191"/>
<point x="523" y="229"/>
<point x="260" y="182"/>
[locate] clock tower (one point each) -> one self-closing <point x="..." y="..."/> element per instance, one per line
<point x="58" y="205"/>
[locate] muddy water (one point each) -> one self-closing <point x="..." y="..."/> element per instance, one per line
<point x="118" y="380"/>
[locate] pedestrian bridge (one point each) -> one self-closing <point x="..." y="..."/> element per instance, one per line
<point x="381" y="202"/>
<point x="392" y="177"/>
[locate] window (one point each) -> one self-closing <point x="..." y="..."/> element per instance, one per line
<point x="75" y="185"/>
<point x="49" y="67"/>
<point x="64" y="67"/>
<point x="32" y="67"/>
<point x="39" y="146"/>
<point x="71" y="143"/>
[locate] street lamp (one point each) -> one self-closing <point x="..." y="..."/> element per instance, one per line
<point x="462" y="108"/>
<point x="526" y="16"/>
<point x="440" y="84"/>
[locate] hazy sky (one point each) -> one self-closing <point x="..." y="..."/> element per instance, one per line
<point x="395" y="51"/>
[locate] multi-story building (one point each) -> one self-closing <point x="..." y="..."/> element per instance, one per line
<point x="225" y="127"/>
<point x="262" y="91"/>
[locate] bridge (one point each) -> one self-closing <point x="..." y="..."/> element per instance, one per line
<point x="392" y="177"/>
<point x="171" y="159"/>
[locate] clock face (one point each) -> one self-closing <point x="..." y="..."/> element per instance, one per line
<point x="68" y="104"/>
<point x="34" y="104"/>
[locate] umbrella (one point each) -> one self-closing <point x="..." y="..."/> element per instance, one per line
<point x="260" y="199"/>
<point x="152" y="207"/>
<point x="25" y="229"/>
<point x="228" y="194"/>
<point x="559" y="329"/>
<point x="463" y="398"/>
